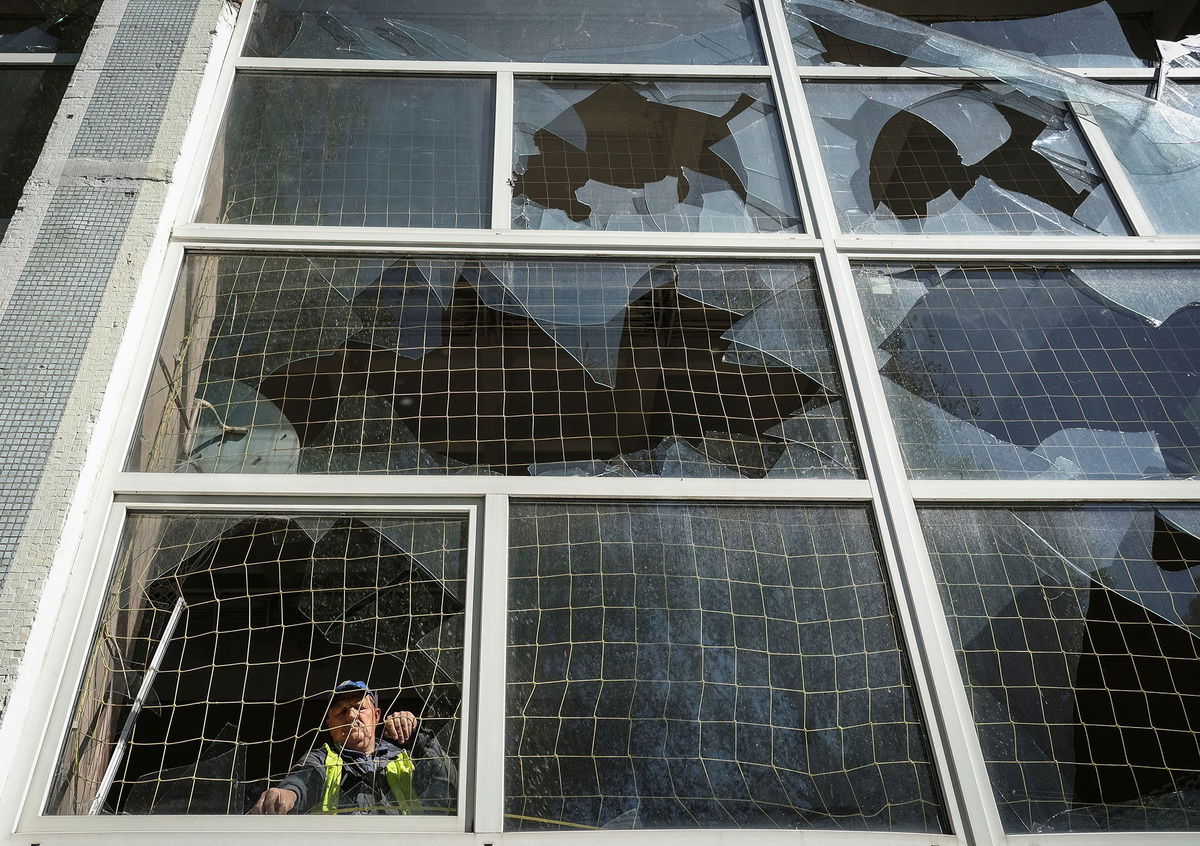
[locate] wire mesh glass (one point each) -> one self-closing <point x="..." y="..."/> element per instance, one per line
<point x="343" y="150"/>
<point x="702" y="666"/>
<point x="294" y="364"/>
<point x="958" y="158"/>
<point x="663" y="156"/>
<point x="706" y="32"/>
<point x="1039" y="371"/>
<point x="1076" y="631"/>
<point x="222" y="638"/>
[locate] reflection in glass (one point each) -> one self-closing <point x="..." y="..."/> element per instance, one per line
<point x="704" y="32"/>
<point x="661" y="156"/>
<point x="1076" y="632"/>
<point x="446" y="366"/>
<point x="696" y="666"/>
<point x="46" y="26"/>
<point x="952" y="159"/>
<point x="242" y="624"/>
<point x="1049" y="371"/>
<point x="353" y="151"/>
<point x="1066" y="33"/>
<point x="31" y="101"/>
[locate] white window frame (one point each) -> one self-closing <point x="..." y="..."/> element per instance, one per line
<point x="886" y="486"/>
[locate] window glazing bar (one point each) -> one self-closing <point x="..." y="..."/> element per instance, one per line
<point x="1056" y="490"/>
<point x="928" y="74"/>
<point x="394" y="240"/>
<point x="1019" y="247"/>
<point x="502" y="152"/>
<point x="492" y="661"/>
<point x="1114" y="174"/>
<point x="386" y="66"/>
<point x="17" y="59"/>
<point x="970" y="805"/>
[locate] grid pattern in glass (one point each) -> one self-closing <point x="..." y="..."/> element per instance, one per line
<point x="1039" y="371"/>
<point x="276" y="610"/>
<point x="1076" y="631"/>
<point x="353" y="151"/>
<point x="531" y="367"/>
<point x="700" y="666"/>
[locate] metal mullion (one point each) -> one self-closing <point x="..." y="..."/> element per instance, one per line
<point x="199" y="487"/>
<point x="1114" y="173"/>
<point x="13" y="60"/>
<point x="954" y="742"/>
<point x="194" y="183"/>
<point x="383" y="66"/>
<point x="933" y="73"/>
<point x="502" y="151"/>
<point x="1020" y="247"/>
<point x="492" y="657"/>
<point x="1055" y="490"/>
<point x="239" y="237"/>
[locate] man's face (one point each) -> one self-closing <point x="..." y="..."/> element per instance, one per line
<point x="351" y="721"/>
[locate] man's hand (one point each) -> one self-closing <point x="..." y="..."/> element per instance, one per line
<point x="276" y="800"/>
<point x="399" y="726"/>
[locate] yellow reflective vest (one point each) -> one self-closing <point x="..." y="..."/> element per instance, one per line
<point x="399" y="772"/>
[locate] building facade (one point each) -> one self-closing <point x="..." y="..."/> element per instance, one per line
<point x="755" y="419"/>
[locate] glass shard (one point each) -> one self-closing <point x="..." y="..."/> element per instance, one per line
<point x="957" y="159"/>
<point x="654" y="157"/>
<point x="997" y="357"/>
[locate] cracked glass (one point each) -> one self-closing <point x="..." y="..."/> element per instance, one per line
<point x="237" y="627"/>
<point x="31" y="101"/>
<point x="476" y="366"/>
<point x="1066" y="33"/>
<point x="353" y="151"/>
<point x="651" y="156"/>
<point x="957" y="159"/>
<point x="1076" y="631"/>
<point x="46" y="26"/>
<point x="705" y="32"/>
<point x="696" y="666"/>
<point x="1039" y="371"/>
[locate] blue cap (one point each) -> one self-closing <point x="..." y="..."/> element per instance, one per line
<point x="351" y="686"/>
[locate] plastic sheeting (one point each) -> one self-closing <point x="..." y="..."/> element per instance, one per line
<point x="707" y="157"/>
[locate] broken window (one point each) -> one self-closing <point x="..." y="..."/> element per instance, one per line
<point x="354" y="151"/>
<point x="1047" y="371"/>
<point x="700" y="666"/>
<point x="705" y="32"/>
<point x="415" y="365"/>
<point x="1067" y="33"/>
<point x="31" y="101"/>
<point x="651" y="156"/>
<point x="950" y="159"/>
<point x="46" y="26"/>
<point x="222" y="639"/>
<point x="1077" y="633"/>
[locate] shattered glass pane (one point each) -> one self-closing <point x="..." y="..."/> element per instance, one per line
<point x="1066" y="33"/>
<point x="278" y="609"/>
<point x="323" y="364"/>
<point x="1078" y="634"/>
<point x="654" y="157"/>
<point x="952" y="159"/>
<point x="1156" y="142"/>
<point x="353" y="151"/>
<point x="699" y="666"/>
<point x="31" y="101"/>
<point x="46" y="26"/>
<point x="705" y="32"/>
<point x="1049" y="371"/>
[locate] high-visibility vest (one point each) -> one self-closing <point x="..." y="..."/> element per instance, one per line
<point x="399" y="772"/>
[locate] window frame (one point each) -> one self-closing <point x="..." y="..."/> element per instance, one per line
<point x="886" y="486"/>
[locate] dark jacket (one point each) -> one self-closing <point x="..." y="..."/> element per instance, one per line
<point x="365" y="788"/>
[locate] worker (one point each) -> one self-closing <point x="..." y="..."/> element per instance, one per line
<point x="404" y="772"/>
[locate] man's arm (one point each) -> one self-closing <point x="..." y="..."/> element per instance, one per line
<point x="298" y="791"/>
